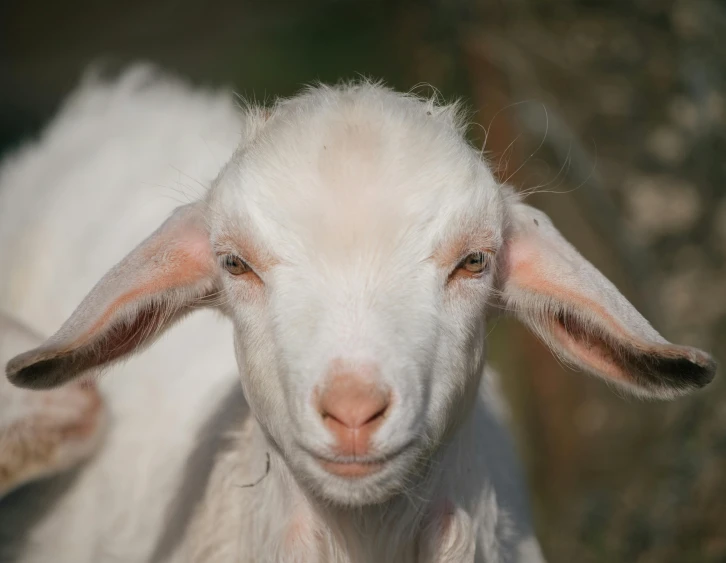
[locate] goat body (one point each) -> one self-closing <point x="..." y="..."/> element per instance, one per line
<point x="351" y="235"/>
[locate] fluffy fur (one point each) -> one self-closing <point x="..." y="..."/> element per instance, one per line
<point x="354" y="207"/>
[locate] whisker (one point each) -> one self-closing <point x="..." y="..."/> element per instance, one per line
<point x="541" y="144"/>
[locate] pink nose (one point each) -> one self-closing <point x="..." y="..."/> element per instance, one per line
<point x="353" y="408"/>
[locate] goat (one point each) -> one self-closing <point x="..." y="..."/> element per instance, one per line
<point x="357" y="245"/>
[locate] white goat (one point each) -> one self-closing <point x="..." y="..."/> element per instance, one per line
<point x="358" y="244"/>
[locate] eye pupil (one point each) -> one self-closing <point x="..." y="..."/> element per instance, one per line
<point x="234" y="265"/>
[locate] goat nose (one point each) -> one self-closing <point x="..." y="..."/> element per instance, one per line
<point x="353" y="403"/>
<point x="353" y="408"/>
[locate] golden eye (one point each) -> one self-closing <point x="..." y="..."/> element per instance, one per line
<point x="475" y="263"/>
<point x="234" y="265"/>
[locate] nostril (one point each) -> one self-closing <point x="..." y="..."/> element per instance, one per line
<point x="377" y="415"/>
<point x="355" y="413"/>
<point x="328" y="417"/>
<point x="353" y="403"/>
<point x="355" y="417"/>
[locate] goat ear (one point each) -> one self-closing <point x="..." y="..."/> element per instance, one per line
<point x="584" y="319"/>
<point x="154" y="286"/>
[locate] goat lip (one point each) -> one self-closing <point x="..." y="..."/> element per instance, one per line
<point x="356" y="469"/>
<point x="351" y="469"/>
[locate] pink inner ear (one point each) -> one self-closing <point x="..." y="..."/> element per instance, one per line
<point x="155" y="285"/>
<point x="529" y="272"/>
<point x="591" y="351"/>
<point x="564" y="299"/>
<point x="183" y="266"/>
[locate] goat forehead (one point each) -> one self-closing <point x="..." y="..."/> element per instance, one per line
<point x="355" y="178"/>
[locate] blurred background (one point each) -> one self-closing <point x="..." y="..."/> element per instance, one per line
<point x="612" y="112"/>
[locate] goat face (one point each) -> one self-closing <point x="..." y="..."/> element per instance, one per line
<point x="359" y="248"/>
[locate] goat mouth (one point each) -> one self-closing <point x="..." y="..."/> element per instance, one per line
<point x="351" y="469"/>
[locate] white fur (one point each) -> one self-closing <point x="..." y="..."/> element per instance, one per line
<point x="344" y="201"/>
<point x="112" y="165"/>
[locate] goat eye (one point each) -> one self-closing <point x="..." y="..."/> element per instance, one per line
<point x="475" y="263"/>
<point x="234" y="265"/>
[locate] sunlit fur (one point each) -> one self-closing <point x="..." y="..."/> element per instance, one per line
<point x="353" y="206"/>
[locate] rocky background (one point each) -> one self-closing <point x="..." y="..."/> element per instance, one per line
<point x="610" y="113"/>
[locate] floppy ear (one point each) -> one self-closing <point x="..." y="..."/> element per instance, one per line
<point x="584" y="319"/>
<point x="154" y="286"/>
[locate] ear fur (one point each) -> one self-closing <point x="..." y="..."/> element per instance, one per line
<point x="584" y="319"/>
<point x="158" y="283"/>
